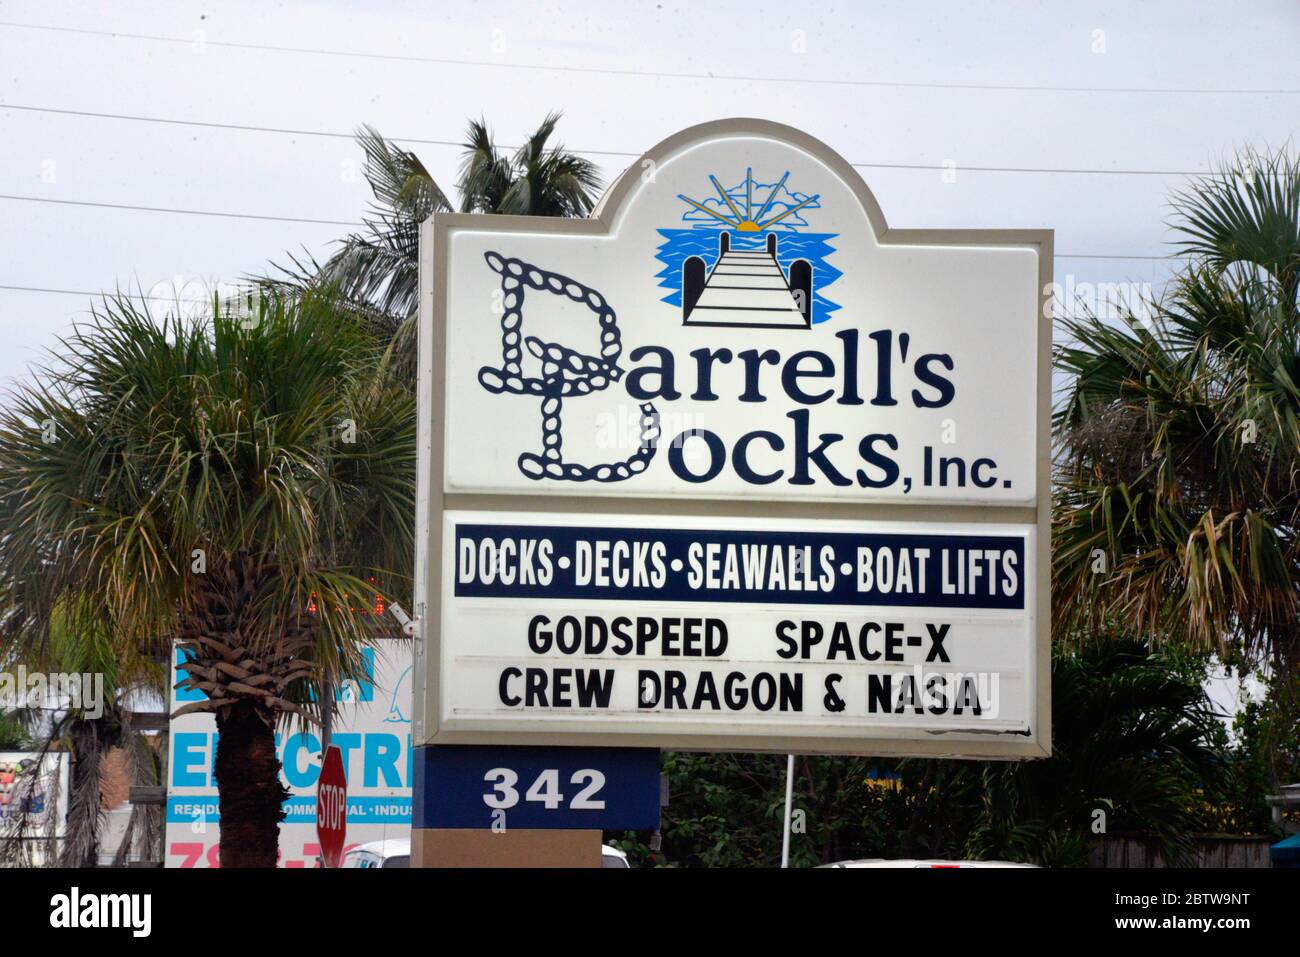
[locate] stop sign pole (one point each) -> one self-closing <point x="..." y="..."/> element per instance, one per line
<point x="332" y="807"/>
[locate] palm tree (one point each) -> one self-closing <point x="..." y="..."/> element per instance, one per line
<point x="229" y="482"/>
<point x="79" y="643"/>
<point x="376" y="272"/>
<point x="1178" y="474"/>
<point x="539" y="180"/>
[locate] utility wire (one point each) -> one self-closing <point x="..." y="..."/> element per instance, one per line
<point x="235" y="126"/>
<point x="101" y="294"/>
<point x="654" y="74"/>
<point x="344" y="222"/>
<point x="187" y="212"/>
<point x="168" y="121"/>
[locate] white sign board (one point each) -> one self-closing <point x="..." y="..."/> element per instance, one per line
<point x="34" y="801"/>
<point x="734" y="403"/>
<point x="371" y="729"/>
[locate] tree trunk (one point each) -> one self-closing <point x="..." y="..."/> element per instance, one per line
<point x="91" y="739"/>
<point x="248" y="785"/>
<point x="922" y="799"/>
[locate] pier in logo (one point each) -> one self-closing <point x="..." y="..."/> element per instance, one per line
<point x="747" y="259"/>
<point x="560" y="372"/>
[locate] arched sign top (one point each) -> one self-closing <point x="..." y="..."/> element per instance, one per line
<point x="743" y="128"/>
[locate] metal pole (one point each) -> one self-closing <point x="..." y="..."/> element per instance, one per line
<point x="327" y="713"/>
<point x="326" y="732"/>
<point x="789" y="801"/>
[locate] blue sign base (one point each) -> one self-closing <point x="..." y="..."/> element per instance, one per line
<point x="468" y="786"/>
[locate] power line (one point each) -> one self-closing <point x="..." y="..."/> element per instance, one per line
<point x="168" y="121"/>
<point x="230" y="126"/>
<point x="653" y="74"/>
<point x="343" y="222"/>
<point x="101" y="294"/>
<point x="187" y="212"/>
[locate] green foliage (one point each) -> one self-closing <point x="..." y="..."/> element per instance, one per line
<point x="14" y="734"/>
<point x="726" y="810"/>
<point x="1264" y="748"/>
<point x="153" y="442"/>
<point x="709" y="794"/>
<point x="1133" y="736"/>
<point x="539" y="180"/>
<point x="1179" y="436"/>
<point x="375" y="272"/>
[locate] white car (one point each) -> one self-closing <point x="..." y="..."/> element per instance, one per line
<point x="396" y="852"/>
<point x="881" y="862"/>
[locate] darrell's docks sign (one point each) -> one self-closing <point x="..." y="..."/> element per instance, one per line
<point x="734" y="465"/>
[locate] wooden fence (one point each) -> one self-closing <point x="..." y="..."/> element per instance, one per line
<point x="1212" y="850"/>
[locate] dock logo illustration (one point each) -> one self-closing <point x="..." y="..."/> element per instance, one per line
<point x="559" y="372"/>
<point x="746" y="258"/>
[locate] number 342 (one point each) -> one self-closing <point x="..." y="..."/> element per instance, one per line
<point x="545" y="789"/>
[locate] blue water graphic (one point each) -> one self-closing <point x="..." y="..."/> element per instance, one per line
<point x="678" y="244"/>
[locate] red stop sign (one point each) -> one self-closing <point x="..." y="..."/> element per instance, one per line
<point x="332" y="807"/>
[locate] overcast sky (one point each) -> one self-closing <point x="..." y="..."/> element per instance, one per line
<point x="914" y="83"/>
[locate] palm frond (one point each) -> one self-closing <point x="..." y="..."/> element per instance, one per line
<point x="374" y="273"/>
<point x="1247" y="211"/>
<point x="1177" y="471"/>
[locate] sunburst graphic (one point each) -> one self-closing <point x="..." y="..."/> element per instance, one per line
<point x="750" y="221"/>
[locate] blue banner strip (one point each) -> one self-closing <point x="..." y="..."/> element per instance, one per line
<point x="300" y="809"/>
<point x="718" y="565"/>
